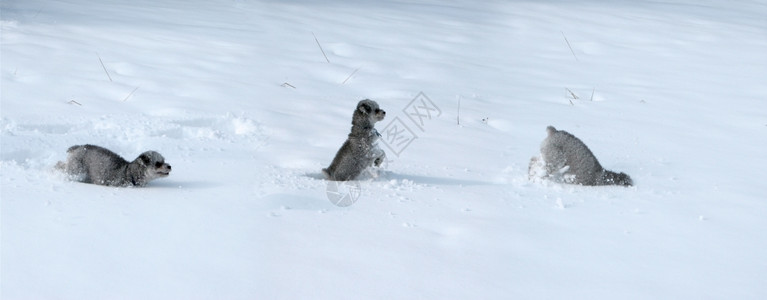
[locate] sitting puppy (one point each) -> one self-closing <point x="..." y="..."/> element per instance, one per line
<point x="564" y="154"/>
<point x="94" y="164"/>
<point x="359" y="151"/>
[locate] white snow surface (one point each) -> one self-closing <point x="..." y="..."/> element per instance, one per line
<point x="241" y="101"/>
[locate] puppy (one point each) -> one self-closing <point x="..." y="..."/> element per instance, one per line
<point x="97" y="165"/>
<point x="566" y="155"/>
<point x="360" y="150"/>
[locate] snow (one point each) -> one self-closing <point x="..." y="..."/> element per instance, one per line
<point x="240" y="100"/>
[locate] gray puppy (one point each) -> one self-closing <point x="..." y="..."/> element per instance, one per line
<point x="565" y="154"/>
<point x="97" y="165"/>
<point x="360" y="150"/>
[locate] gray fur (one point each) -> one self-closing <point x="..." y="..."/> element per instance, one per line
<point x="564" y="153"/>
<point x="360" y="150"/>
<point x="97" y="165"/>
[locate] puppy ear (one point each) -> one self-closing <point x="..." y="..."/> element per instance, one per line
<point x="365" y="108"/>
<point x="144" y="159"/>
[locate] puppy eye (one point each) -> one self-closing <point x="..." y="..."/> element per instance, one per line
<point x="158" y="164"/>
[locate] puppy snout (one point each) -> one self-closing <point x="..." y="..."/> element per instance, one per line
<point x="168" y="167"/>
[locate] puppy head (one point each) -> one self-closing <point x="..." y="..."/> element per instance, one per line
<point x="369" y="109"/>
<point x="155" y="164"/>
<point x="621" y="178"/>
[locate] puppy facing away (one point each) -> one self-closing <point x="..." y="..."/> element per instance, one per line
<point x="97" y="165"/>
<point x="565" y="155"/>
<point x="360" y="150"/>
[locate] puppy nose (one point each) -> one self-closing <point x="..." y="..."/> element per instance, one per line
<point x="168" y="167"/>
<point x="383" y="112"/>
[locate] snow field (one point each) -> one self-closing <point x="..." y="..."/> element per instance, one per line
<point x="669" y="92"/>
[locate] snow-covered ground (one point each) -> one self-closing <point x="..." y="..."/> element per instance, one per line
<point x="241" y="101"/>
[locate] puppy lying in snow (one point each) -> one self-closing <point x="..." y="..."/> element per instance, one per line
<point x="359" y="151"/>
<point x="97" y="165"/>
<point x="566" y="158"/>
